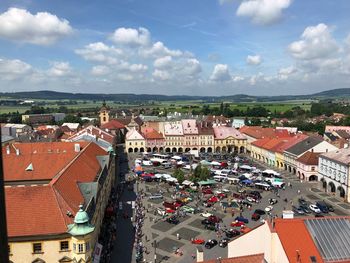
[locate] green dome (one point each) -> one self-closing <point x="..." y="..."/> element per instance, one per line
<point x="81" y="217"/>
<point x="110" y="149"/>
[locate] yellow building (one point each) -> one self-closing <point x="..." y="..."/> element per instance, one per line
<point x="52" y="190"/>
<point x="104" y="114"/>
<point x="134" y="141"/>
<point x="228" y="139"/>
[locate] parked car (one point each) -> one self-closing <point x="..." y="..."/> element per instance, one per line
<point x="156" y="196"/>
<point x="260" y="212"/>
<point x="147" y="163"/>
<point x="166" y="165"/>
<point x="172" y="220"/>
<point x="223" y="242"/>
<point x="255" y="217"/>
<point x="298" y="210"/>
<point x="242" y="219"/>
<point x="306" y="209"/>
<point x="273" y="201"/>
<point x="302" y="201"/>
<point x="214" y="219"/>
<point x="206" y="221"/>
<point x="213" y="199"/>
<point x="237" y="224"/>
<point x="198" y="241"/>
<point x="210" y="227"/>
<point x="232" y="233"/>
<point x="315" y="209"/>
<point x="221" y="195"/>
<point x="206" y="214"/>
<point x="269" y="208"/>
<point x="252" y="199"/>
<point x="169" y="205"/>
<point x="323" y="207"/>
<point x="188" y="209"/>
<point x="211" y="243"/>
<point x="207" y="191"/>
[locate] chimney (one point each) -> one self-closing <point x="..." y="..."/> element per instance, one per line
<point x="200" y="254"/>
<point x="17" y="151"/>
<point x="7" y="149"/>
<point x="77" y="147"/>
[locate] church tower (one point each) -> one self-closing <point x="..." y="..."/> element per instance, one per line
<point x="104" y="114"/>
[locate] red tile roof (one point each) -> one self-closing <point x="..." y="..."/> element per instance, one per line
<point x="47" y="160"/>
<point x="33" y="210"/>
<point x="259" y="132"/>
<point x="294" y="236"/>
<point x="41" y="210"/>
<point x="152" y="134"/>
<point x="309" y="158"/>
<point x="289" y="142"/>
<point x="261" y="142"/>
<point x="94" y="131"/>
<point x="257" y="258"/>
<point x="113" y="125"/>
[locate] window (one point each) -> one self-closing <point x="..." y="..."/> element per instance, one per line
<point x="129" y="143"/>
<point x="64" y="245"/>
<point x="37" y="248"/>
<point x="312" y="168"/>
<point x="80" y="248"/>
<point x="87" y="246"/>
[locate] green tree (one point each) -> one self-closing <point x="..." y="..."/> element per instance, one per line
<point x="179" y="175"/>
<point x="205" y="174"/>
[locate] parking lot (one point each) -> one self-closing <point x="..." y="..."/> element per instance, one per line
<point x="170" y="236"/>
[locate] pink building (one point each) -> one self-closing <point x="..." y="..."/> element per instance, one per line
<point x="155" y="141"/>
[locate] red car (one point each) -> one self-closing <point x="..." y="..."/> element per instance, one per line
<point x="207" y="191"/>
<point x="169" y="205"/>
<point x="237" y="224"/>
<point x="221" y="195"/>
<point x="214" y="219"/>
<point x="213" y="199"/>
<point x="169" y="210"/>
<point x="198" y="241"/>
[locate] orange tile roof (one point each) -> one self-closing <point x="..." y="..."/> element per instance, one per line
<point x="294" y="236"/>
<point x="256" y="258"/>
<point x="41" y="210"/>
<point x="309" y="158"/>
<point x="151" y="134"/>
<point x="259" y="132"/>
<point x="261" y="142"/>
<point x="272" y="143"/>
<point x="289" y="142"/>
<point x="32" y="210"/>
<point x="112" y="125"/>
<point x="47" y="160"/>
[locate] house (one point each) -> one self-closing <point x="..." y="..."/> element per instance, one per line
<point x="56" y="196"/>
<point x="91" y="133"/>
<point x="15" y="130"/>
<point x="74" y="127"/>
<point x="206" y="138"/>
<point x="306" y="239"/>
<point x="334" y="171"/>
<point x="190" y="134"/>
<point x="174" y="140"/>
<point x="229" y="139"/>
<point x="307" y="166"/>
<point x="154" y="140"/>
<point x="134" y="141"/>
<point x="42" y="118"/>
<point x="238" y="123"/>
<point x="310" y="144"/>
<point x="115" y="128"/>
<point x="331" y="129"/>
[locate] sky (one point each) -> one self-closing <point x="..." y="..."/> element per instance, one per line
<point x="182" y="47"/>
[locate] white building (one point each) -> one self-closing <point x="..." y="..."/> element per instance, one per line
<point x="333" y="172"/>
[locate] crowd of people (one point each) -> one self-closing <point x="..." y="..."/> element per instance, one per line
<point x="139" y="219"/>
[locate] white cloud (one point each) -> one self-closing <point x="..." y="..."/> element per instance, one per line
<point x="14" y="69"/>
<point x="238" y="78"/>
<point x="163" y="62"/>
<point x="60" y="69"/>
<point x="284" y="73"/>
<point x="41" y="29"/>
<point x="161" y="74"/>
<point x="263" y="11"/>
<point x="131" y="36"/>
<point x="138" y="68"/>
<point x="221" y="73"/>
<point x="100" y="70"/>
<point x="158" y="50"/>
<point x="192" y="67"/>
<point x="101" y="53"/>
<point x="316" y="42"/>
<point x="254" y="60"/>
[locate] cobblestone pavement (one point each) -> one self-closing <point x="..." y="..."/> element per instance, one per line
<point x="165" y="234"/>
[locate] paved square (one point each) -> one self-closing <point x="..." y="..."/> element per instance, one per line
<point x="316" y="190"/>
<point x="156" y="201"/>
<point x="325" y="195"/>
<point x="333" y="199"/>
<point x="338" y="212"/>
<point x="186" y="233"/>
<point x="346" y="206"/>
<point x="162" y="226"/>
<point x="168" y="244"/>
<point x="197" y="224"/>
<point x="154" y="235"/>
<point x="312" y="197"/>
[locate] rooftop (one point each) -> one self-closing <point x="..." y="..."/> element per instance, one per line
<point x="173" y="128"/>
<point x="223" y="132"/>
<point x="189" y="126"/>
<point x="309" y="158"/>
<point x="257" y="258"/>
<point x="113" y="125"/>
<point x="304" y="145"/>
<point x="341" y="155"/>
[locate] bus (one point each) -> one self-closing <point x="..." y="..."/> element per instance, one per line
<point x="160" y="158"/>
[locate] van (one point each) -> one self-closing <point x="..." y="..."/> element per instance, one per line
<point x="166" y="165"/>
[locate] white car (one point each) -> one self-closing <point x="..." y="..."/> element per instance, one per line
<point x="269" y="208"/>
<point x="147" y="163"/>
<point x="315" y="209"/>
<point x="206" y="214"/>
<point x="224" y="190"/>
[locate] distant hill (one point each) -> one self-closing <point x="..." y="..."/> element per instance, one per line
<point x="53" y="95"/>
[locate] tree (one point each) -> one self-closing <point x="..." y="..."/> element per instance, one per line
<point x="205" y="174"/>
<point x="179" y="175"/>
<point x="72" y="119"/>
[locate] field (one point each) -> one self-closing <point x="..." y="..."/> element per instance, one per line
<point x="179" y="106"/>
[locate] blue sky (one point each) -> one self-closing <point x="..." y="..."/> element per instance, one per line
<point x="204" y="47"/>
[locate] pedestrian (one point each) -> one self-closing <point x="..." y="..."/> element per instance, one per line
<point x="178" y="236"/>
<point x="298" y="192"/>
